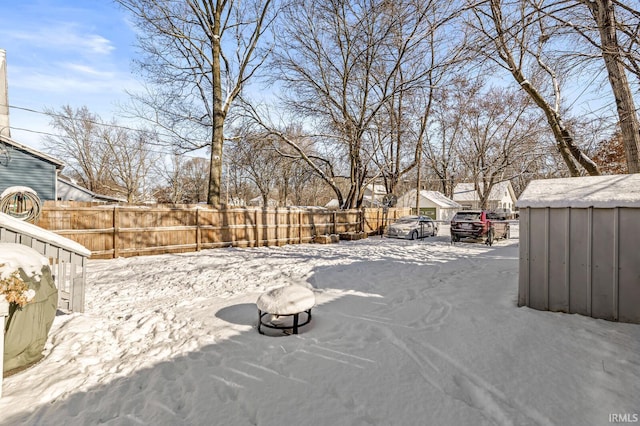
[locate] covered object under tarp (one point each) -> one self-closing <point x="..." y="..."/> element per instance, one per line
<point x="27" y="328"/>
<point x="579" y="246"/>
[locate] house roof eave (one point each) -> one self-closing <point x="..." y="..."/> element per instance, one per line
<point x="59" y="164"/>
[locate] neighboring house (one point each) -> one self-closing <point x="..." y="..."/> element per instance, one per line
<point x="332" y="204"/>
<point x="501" y="198"/>
<point x="432" y="203"/>
<point x="259" y="202"/>
<point x="71" y="191"/>
<point x="373" y="195"/>
<point x="236" y="202"/>
<point x="367" y="201"/>
<point x="24" y="166"/>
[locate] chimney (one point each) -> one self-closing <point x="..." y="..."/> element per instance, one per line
<point x="4" y="96"/>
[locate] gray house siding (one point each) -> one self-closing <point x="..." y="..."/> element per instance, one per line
<point x="24" y="169"/>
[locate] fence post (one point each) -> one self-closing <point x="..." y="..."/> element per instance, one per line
<point x="257" y="228"/>
<point x="116" y="237"/>
<point x="333" y="218"/>
<point x="299" y="226"/>
<point x="198" y="231"/>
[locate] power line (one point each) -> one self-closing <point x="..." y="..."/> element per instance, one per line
<point x="52" y="114"/>
<point x="113" y="126"/>
<point x="98" y="123"/>
<point x="104" y="143"/>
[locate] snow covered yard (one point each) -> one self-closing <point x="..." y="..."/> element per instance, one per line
<point x="404" y="333"/>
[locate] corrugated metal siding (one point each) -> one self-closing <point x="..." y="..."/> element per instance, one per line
<point x="579" y="261"/>
<point x="524" y="277"/>
<point x="538" y="265"/>
<point x="558" y="285"/>
<point x="603" y="263"/>
<point x="629" y="266"/>
<point x="26" y="170"/>
<point x="583" y="261"/>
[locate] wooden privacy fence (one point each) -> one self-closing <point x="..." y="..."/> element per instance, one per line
<point x="114" y="231"/>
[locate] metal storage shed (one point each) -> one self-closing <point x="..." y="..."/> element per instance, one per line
<point x="580" y="246"/>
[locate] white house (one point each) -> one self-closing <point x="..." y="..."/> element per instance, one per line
<point x="333" y="204"/>
<point x="431" y="203"/>
<point x="502" y="197"/>
<point x="259" y="202"/>
<point x="373" y="196"/>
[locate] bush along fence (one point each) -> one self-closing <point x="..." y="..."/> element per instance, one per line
<point x="123" y="231"/>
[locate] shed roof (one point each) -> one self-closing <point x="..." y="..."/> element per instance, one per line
<point x="582" y="192"/>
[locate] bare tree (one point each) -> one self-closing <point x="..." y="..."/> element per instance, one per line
<point x="195" y="174"/>
<point x="498" y="132"/>
<point x="105" y="158"/>
<point x="130" y="160"/>
<point x="79" y="144"/>
<point x="340" y="62"/>
<point x="186" y="180"/>
<point x="513" y="34"/>
<point x="616" y="41"/>
<point x="199" y="54"/>
<point x="604" y="15"/>
<point x="297" y="183"/>
<point x="257" y="159"/>
<point x="316" y="150"/>
<point x="174" y="190"/>
<point x="401" y="128"/>
<point x="442" y="129"/>
<point x="303" y="187"/>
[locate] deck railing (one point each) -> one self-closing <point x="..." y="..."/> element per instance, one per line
<point x="67" y="258"/>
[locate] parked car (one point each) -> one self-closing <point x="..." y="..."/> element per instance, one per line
<point x="413" y="227"/>
<point x="478" y="224"/>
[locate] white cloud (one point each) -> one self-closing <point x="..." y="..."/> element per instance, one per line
<point x="71" y="78"/>
<point x="99" y="44"/>
<point x="88" y="70"/>
<point x="64" y="53"/>
<point x="69" y="37"/>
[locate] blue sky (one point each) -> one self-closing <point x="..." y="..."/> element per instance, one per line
<point x="79" y="52"/>
<point x="59" y="52"/>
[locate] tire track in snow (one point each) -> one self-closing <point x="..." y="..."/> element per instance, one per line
<point x="479" y="393"/>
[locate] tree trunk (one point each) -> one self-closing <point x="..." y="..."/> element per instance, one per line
<point x="568" y="149"/>
<point x="562" y="135"/>
<point x="217" y="129"/>
<point x="418" y="177"/>
<point x="604" y="15"/>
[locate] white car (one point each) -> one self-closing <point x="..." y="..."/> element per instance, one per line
<point x="413" y="227"/>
